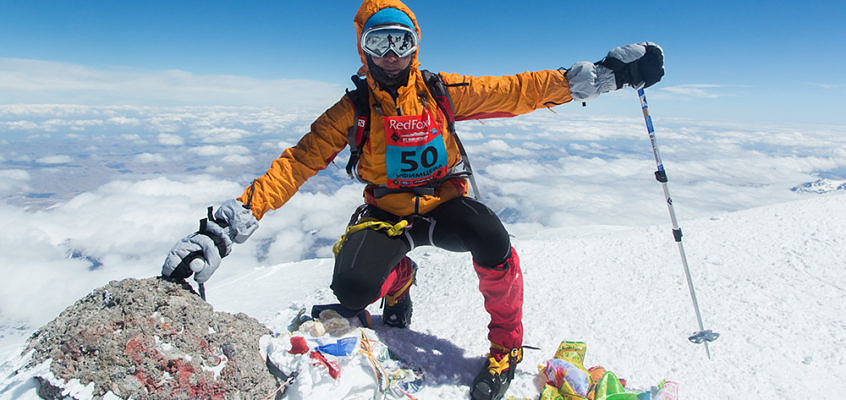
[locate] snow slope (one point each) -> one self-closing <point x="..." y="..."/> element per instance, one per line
<point x="771" y="280"/>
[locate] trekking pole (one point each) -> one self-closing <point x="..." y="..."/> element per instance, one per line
<point x="703" y="336"/>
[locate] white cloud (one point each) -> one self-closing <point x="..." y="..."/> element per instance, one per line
<point x="236" y="159"/>
<point x="211" y="151"/>
<point x="38" y="81"/>
<point x="166" y="123"/>
<point x="13" y="180"/>
<point x="221" y="135"/>
<point x="57" y="159"/>
<point x="124" y="121"/>
<point x="19" y="125"/>
<point x="132" y="137"/>
<point x="827" y="85"/>
<point x="14" y="174"/>
<point x="170" y="140"/>
<point x="148" y="158"/>
<point x="499" y="148"/>
<point x="694" y="90"/>
<point x="514" y="171"/>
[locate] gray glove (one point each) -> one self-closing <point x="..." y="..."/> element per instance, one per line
<point x="636" y="65"/>
<point x="200" y="253"/>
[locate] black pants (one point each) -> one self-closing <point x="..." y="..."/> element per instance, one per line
<point x="368" y="256"/>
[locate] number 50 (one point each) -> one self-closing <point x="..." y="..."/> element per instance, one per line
<point x="428" y="158"/>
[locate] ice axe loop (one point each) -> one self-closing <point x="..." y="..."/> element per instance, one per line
<point x="703" y="336"/>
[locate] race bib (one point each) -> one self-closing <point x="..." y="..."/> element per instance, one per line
<point x="415" y="152"/>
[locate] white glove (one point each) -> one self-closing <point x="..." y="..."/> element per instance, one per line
<point x="636" y="65"/>
<point x="200" y="253"/>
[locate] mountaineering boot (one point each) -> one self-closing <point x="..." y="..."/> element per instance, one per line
<point x="398" y="315"/>
<point x="398" y="308"/>
<point x="492" y="382"/>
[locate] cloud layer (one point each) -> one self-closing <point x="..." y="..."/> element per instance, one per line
<point x="102" y="192"/>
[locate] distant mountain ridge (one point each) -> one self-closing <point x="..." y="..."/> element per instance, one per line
<point x="820" y="186"/>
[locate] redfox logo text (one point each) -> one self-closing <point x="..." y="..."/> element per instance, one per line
<point x="411" y="125"/>
<point x="410" y="132"/>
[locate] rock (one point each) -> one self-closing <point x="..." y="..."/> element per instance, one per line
<point x="150" y="338"/>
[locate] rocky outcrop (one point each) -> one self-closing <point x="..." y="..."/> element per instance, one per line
<point x="150" y="338"/>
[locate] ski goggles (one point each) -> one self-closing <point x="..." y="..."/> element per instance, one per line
<point x="378" y="41"/>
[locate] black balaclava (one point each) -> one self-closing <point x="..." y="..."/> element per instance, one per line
<point x="388" y="82"/>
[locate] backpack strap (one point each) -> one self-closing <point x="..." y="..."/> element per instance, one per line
<point x="360" y="130"/>
<point x="439" y="91"/>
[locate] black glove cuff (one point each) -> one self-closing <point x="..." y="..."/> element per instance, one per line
<point x="621" y="75"/>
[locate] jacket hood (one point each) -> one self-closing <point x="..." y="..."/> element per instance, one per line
<point x="367" y="9"/>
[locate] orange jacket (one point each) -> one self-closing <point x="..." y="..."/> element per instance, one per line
<point x="482" y="97"/>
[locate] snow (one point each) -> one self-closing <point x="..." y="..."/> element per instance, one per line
<point x="770" y="280"/>
<point x="597" y="253"/>
<point x="23" y="386"/>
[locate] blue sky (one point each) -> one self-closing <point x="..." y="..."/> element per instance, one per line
<point x="729" y="61"/>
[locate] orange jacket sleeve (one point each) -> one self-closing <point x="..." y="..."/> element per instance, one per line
<point x="312" y="153"/>
<point x="506" y="96"/>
